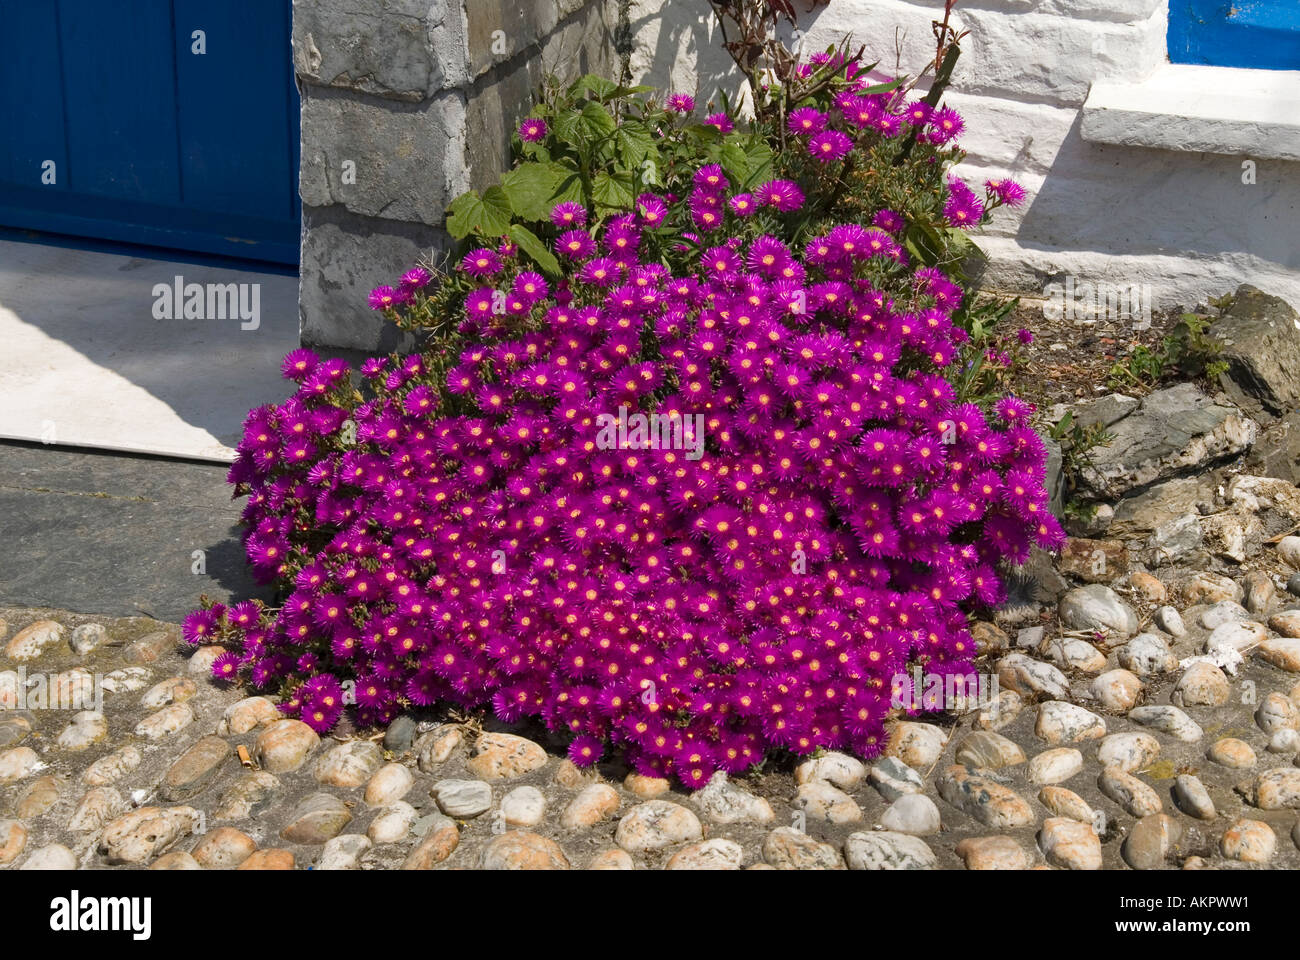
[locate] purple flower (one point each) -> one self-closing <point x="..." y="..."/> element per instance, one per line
<point x="681" y="103"/>
<point x="532" y="130"/>
<point x="829" y="145"/>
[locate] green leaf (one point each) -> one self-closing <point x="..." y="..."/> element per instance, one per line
<point x="486" y="216"/>
<point x="529" y="188"/>
<point x="612" y="190"/>
<point x="596" y="119"/>
<point x="592" y="83"/>
<point x="634" y="143"/>
<point x="531" y="245"/>
<point x="735" y="161"/>
<point x="568" y="187"/>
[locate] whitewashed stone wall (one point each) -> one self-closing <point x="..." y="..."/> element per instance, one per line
<point x="405" y="105"/>
<point x="1183" y="222"/>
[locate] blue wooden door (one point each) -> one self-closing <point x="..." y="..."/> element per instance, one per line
<point x="166" y="122"/>
<point x="1264" y="34"/>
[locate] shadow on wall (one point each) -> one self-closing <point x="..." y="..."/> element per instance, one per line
<point x="678" y="49"/>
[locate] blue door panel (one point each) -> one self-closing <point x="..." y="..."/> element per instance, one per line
<point x="1262" y="34"/>
<point x="154" y="142"/>
<point x="31" y="96"/>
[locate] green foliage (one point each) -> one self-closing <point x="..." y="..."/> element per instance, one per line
<point x="1187" y="352"/>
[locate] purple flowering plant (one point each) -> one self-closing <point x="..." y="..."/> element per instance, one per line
<point x="697" y="461"/>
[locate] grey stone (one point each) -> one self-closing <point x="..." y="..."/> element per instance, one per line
<point x="1175" y="430"/>
<point x="914" y="814"/>
<point x="1097" y="607"/>
<point x="1192" y="797"/>
<point x="400" y="734"/>
<point x="894" y="779"/>
<point x="1261" y="345"/>
<point x="888" y="851"/>
<point x="463" y="798"/>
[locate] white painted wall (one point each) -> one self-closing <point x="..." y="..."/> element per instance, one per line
<point x="1181" y="221"/>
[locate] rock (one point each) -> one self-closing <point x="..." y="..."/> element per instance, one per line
<point x="436" y="747"/>
<point x="992" y="853"/>
<point x="1281" y="652"/>
<point x="613" y="859"/>
<point x="894" y="779"/>
<point x="1001" y="710"/>
<point x="991" y="750"/>
<point x="14" y="728"/>
<point x="723" y="802"/>
<point x="1173" y="431"/>
<point x="38" y="797"/>
<point x="984" y="799"/>
<point x="463" y="799"/>
<point x="1029" y="638"/>
<point x="1201" y="685"/>
<point x="520" y="850"/>
<point x="317" y="818"/>
<point x="1066" y="803"/>
<point x="717" y="854"/>
<point x="1293" y="585"/>
<point x="1097" y="607"/>
<point x="1261" y="347"/>
<point x="97" y="807"/>
<point x="1192" y="798"/>
<point x="1277" y="712"/>
<point x="202" y="659"/>
<point x="166" y="722"/>
<point x="400" y="735"/>
<point x="343" y="853"/>
<point x="1060" y="722"/>
<point x="1070" y="844"/>
<point x="1129" y="792"/>
<point x="1240" y="636"/>
<point x="284" y="746"/>
<point x="1249" y="841"/>
<point x="18" y="763"/>
<point x="274" y="859"/>
<point x="248" y="796"/>
<point x="1260" y="592"/>
<point x="570" y="776"/>
<point x="1116" y="690"/>
<point x="1228" y="535"/>
<point x="1147" y="587"/>
<point x="1286" y="622"/>
<point x="34" y="639"/>
<point x="988" y="637"/>
<point x="392" y="824"/>
<point x="349" y="764"/>
<point x="646" y="788"/>
<point x="1093" y="561"/>
<point x="84" y="731"/>
<point x="145" y="833"/>
<point x="1170" y="621"/>
<point x="786" y="848"/>
<point x="1174" y="541"/>
<point x="225" y="848"/>
<point x="127" y="680"/>
<point x="1128" y="751"/>
<point x="1146" y="655"/>
<point x="595" y="803"/>
<point x="248" y="714"/>
<point x="174" y="690"/>
<point x="390" y="783"/>
<point x="656" y="824"/>
<point x="888" y="851"/>
<point x="195" y="770"/>
<point x="1210" y="588"/>
<point x="523" y="807"/>
<point x="1032" y="678"/>
<point x="1073" y="653"/>
<point x="1285" y="741"/>
<point x="1151" y="842"/>
<point x="1225" y="611"/>
<point x="176" y="860"/>
<point x="1276" y="789"/>
<point x="916" y="744"/>
<point x="112" y="768"/>
<point x="1055" y="766"/>
<point x="913" y="814"/>
<point x="54" y="856"/>
<point x="13" y="838"/>
<point x="87" y="637"/>
<point x="503" y="756"/>
<point x="148" y="649"/>
<point x="837" y="769"/>
<point x="1233" y="753"/>
<point x="1168" y="720"/>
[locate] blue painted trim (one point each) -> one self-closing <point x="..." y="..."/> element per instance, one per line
<point x="1255" y="34"/>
